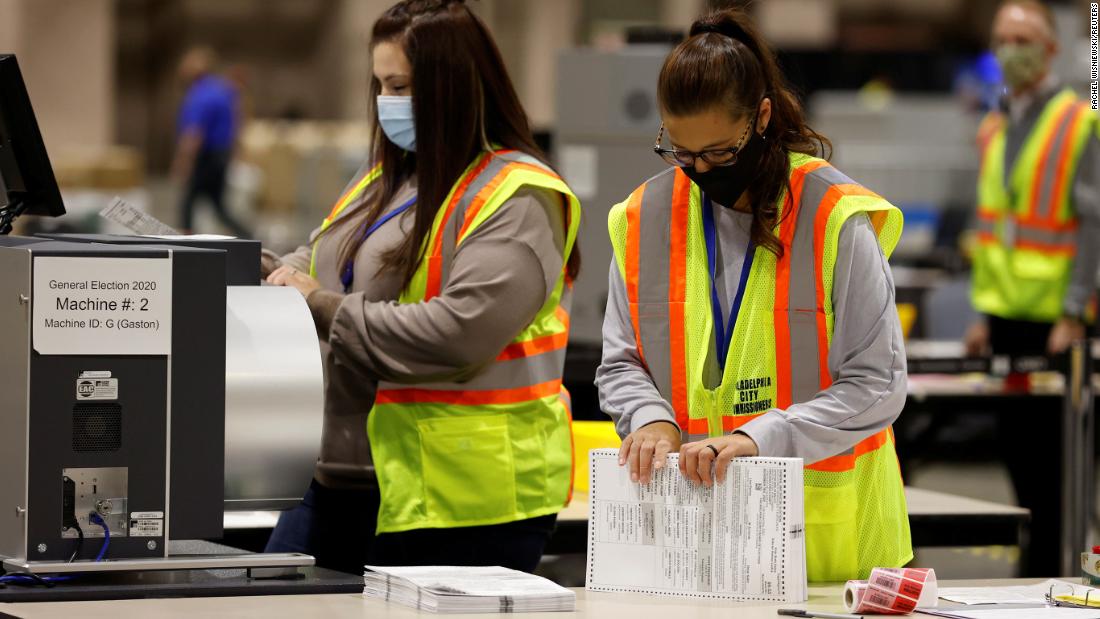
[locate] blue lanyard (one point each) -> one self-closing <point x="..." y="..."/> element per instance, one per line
<point x="348" y="276"/>
<point x="723" y="337"/>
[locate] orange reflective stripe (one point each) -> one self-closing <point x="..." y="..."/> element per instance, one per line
<point x="481" y="198"/>
<point x="539" y="345"/>
<point x="695" y="426"/>
<point x="991" y="124"/>
<point x="985" y="213"/>
<point x="847" y="462"/>
<point x="734" y="422"/>
<point x="469" y="398"/>
<point x="566" y="401"/>
<point x="1047" y="248"/>
<point x="987" y="238"/>
<point x="780" y="319"/>
<point x="1044" y="156"/>
<point x="435" y="263"/>
<point x="677" y="292"/>
<point x="351" y="192"/>
<point x="821" y="220"/>
<point x="487" y="191"/>
<point x="792" y="204"/>
<point x="633" y="249"/>
<point x="1062" y="172"/>
<point x="1049" y="225"/>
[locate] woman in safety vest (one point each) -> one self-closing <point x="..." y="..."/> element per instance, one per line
<point x="751" y="306"/>
<point x="441" y="281"/>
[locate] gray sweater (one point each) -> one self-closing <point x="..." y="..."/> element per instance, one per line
<point x="866" y="359"/>
<point x="503" y="273"/>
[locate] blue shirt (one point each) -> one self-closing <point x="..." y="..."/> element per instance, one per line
<point x="210" y="107"/>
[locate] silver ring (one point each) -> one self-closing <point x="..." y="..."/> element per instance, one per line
<point x="712" y="448"/>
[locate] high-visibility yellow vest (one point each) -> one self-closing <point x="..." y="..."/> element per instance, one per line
<point x="356" y="189"/>
<point x="497" y="448"/>
<point x="1026" y="223"/>
<point x="856" y="516"/>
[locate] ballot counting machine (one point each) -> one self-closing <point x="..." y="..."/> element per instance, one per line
<point x="113" y="400"/>
<point x="144" y="384"/>
<point x="273" y="383"/>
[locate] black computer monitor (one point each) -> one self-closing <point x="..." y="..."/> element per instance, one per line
<point x="27" y="183"/>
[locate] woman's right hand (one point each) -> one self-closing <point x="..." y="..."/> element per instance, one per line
<point x="646" y="449"/>
<point x="268" y="263"/>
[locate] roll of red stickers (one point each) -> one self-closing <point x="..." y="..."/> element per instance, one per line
<point x="892" y="591"/>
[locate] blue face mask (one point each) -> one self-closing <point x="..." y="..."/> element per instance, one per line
<point x="395" y="114"/>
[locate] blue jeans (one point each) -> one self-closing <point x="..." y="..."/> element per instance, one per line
<point x="335" y="526"/>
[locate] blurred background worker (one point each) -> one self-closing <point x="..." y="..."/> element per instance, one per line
<point x="1038" y="240"/>
<point x="207" y="134"/>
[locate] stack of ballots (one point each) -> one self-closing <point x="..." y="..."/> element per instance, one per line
<point x="443" y="589"/>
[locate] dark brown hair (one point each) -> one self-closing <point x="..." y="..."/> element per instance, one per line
<point x="726" y="64"/>
<point x="463" y="102"/>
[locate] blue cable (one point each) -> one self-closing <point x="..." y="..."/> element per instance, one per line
<point x="49" y="581"/>
<point x="95" y="518"/>
<point x="27" y="579"/>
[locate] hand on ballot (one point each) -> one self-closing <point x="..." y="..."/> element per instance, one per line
<point x="289" y="276"/>
<point x="646" y="449"/>
<point x="696" y="458"/>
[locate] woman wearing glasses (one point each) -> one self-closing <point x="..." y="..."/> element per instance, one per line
<point x="751" y="307"/>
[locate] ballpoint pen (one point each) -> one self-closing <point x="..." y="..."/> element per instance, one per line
<point x="794" y="612"/>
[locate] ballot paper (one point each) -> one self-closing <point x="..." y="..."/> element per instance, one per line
<point x="1052" y="612"/>
<point x="191" y="237"/>
<point x="134" y="219"/>
<point x="444" y="589"/>
<point x="742" y="539"/>
<point x="1016" y="594"/>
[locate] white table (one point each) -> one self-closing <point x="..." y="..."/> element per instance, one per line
<point x="596" y="605"/>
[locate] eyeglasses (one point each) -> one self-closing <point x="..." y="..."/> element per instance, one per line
<point x="716" y="157"/>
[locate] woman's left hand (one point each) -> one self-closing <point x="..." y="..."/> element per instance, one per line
<point x="289" y="276"/>
<point x="696" y="458"/>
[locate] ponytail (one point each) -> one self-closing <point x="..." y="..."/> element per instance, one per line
<point x="726" y="64"/>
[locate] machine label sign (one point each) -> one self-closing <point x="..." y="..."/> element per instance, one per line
<point x="102" y="306"/>
<point x="97" y="389"/>
<point x="147" y="527"/>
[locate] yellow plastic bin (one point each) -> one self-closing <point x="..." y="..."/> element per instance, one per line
<point x="589" y="435"/>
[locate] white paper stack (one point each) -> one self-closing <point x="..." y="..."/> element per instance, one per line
<point x="448" y="589"/>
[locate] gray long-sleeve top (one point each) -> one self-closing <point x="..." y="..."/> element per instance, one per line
<point x="866" y="359"/>
<point x="1022" y="114"/>
<point x="502" y="274"/>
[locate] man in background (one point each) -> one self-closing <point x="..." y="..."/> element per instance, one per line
<point x="1038" y="247"/>
<point x="207" y="132"/>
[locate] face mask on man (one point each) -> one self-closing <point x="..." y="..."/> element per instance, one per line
<point x="395" y="114"/>
<point x="1022" y="65"/>
<point x="725" y="184"/>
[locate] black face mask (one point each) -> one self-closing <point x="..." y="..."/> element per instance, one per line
<point x="725" y="184"/>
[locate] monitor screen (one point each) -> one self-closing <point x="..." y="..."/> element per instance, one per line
<point x="25" y="170"/>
